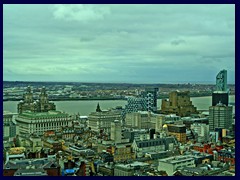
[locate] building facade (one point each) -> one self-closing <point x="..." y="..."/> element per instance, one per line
<point x="101" y="121"/>
<point x="10" y="128"/>
<point x="171" y="164"/>
<point x="179" y="103"/>
<point x="116" y="131"/>
<point x="40" y="105"/>
<point x="139" y="120"/>
<point x="202" y="131"/>
<point x="221" y="95"/>
<point x="179" y="131"/>
<point x="220" y="116"/>
<point x="38" y="123"/>
<point x="150" y="95"/>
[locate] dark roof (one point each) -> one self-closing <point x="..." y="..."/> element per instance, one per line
<point x="43" y="162"/>
<point x="31" y="172"/>
<point x="154" y="142"/>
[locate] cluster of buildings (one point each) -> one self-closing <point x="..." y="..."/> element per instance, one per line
<point x="138" y="140"/>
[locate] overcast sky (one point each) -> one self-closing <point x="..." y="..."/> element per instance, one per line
<point x="118" y="43"/>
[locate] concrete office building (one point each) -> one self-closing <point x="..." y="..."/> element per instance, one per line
<point x="101" y="120"/>
<point x="179" y="103"/>
<point x="202" y="131"/>
<point x="171" y="164"/>
<point x="138" y="120"/>
<point x="220" y="116"/>
<point x="160" y="120"/>
<point x="38" y="123"/>
<point x="116" y="131"/>
<point x="10" y="128"/>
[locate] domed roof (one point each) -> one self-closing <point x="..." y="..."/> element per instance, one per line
<point x="165" y="126"/>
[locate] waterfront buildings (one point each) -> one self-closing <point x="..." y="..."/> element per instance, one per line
<point x="220" y="116"/>
<point x="135" y="104"/>
<point x="38" y="123"/>
<point x="150" y="95"/>
<point x="40" y="105"/>
<point x="179" y="103"/>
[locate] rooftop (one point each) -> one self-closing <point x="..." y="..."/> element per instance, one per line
<point x="43" y="114"/>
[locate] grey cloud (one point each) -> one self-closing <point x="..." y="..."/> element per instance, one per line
<point x="96" y="42"/>
<point x="79" y="12"/>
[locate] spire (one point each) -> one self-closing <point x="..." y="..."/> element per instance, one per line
<point x="98" y="108"/>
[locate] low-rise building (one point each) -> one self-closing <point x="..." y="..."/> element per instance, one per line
<point x="171" y="164"/>
<point x="51" y="166"/>
<point x="129" y="169"/>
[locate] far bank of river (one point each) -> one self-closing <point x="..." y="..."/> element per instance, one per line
<point x="85" y="107"/>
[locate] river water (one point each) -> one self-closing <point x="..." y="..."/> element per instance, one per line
<point x="84" y="108"/>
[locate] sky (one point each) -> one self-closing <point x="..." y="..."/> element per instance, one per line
<point x="118" y="43"/>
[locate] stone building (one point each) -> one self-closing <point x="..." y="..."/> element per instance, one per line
<point x="179" y="103"/>
<point x="101" y="120"/>
<point x="40" y="105"/>
<point x="38" y="123"/>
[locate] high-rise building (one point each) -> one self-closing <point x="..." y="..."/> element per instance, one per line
<point x="116" y="131"/>
<point x="179" y="103"/>
<point x="40" y="105"/>
<point x="220" y="96"/>
<point x="135" y="104"/>
<point x="221" y="81"/>
<point x="222" y="93"/>
<point x="150" y="95"/>
<point x="220" y="116"/>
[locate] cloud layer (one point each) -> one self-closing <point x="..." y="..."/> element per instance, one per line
<point x="118" y="43"/>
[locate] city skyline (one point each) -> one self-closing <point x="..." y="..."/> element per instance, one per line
<point x="118" y="43"/>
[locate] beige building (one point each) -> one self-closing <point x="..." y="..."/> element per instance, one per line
<point x="122" y="152"/>
<point x="138" y="120"/>
<point x="178" y="103"/>
<point x="144" y="120"/>
<point x="116" y="131"/>
<point x="38" y="123"/>
<point x="101" y="121"/>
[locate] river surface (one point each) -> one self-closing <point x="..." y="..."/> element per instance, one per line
<point x="84" y="108"/>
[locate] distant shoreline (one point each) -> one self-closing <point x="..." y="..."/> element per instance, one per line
<point x="102" y="99"/>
